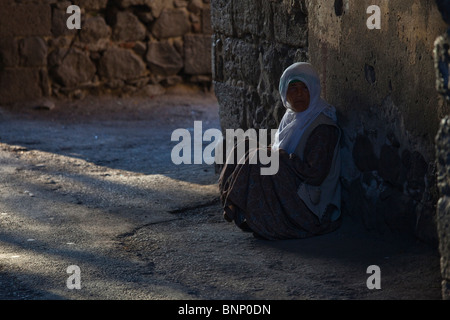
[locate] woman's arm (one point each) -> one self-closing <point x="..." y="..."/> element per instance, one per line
<point x="317" y="156"/>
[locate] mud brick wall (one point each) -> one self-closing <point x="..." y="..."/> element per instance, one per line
<point x="126" y="47"/>
<point x="382" y="83"/>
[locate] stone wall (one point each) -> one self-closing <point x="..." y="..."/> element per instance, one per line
<point x="253" y="43"/>
<point x="442" y="67"/>
<point x="139" y="47"/>
<point x="443" y="208"/>
<point x="382" y="83"/>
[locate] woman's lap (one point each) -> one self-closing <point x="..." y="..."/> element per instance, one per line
<point x="269" y="204"/>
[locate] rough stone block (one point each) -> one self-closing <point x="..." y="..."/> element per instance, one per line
<point x="94" y="29"/>
<point x="443" y="206"/>
<point x="171" y="23"/>
<point x="222" y="17"/>
<point x="442" y="154"/>
<point x="241" y="61"/>
<point x="197" y="54"/>
<point x="163" y="59"/>
<point x="71" y="67"/>
<point x="145" y="16"/>
<point x="128" y="28"/>
<point x="19" y="85"/>
<point x="195" y="6"/>
<point x="290" y="23"/>
<point x="231" y="109"/>
<point x="443" y="227"/>
<point x="445" y="289"/>
<point x="119" y="63"/>
<point x="33" y="52"/>
<point x="140" y="48"/>
<point x="158" y="6"/>
<point x="246" y="17"/>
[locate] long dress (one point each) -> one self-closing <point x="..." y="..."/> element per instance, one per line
<point x="268" y="205"/>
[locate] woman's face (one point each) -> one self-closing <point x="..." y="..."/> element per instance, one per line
<point x="298" y="96"/>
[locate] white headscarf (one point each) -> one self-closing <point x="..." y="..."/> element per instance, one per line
<point x="293" y="124"/>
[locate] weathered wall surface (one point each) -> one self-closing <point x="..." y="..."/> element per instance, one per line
<point x="123" y="47"/>
<point x="442" y="66"/>
<point x="443" y="207"/>
<point x="382" y="83"/>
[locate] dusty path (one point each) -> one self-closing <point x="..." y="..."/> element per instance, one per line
<point x="91" y="183"/>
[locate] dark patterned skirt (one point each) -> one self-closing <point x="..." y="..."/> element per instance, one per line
<point x="268" y="205"/>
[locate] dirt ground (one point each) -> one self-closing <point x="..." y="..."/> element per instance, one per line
<point x="91" y="183"/>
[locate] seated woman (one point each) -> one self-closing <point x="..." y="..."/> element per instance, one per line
<point x="303" y="198"/>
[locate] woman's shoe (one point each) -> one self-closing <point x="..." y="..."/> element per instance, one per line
<point x="226" y="217"/>
<point x="228" y="212"/>
<point x="244" y="227"/>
